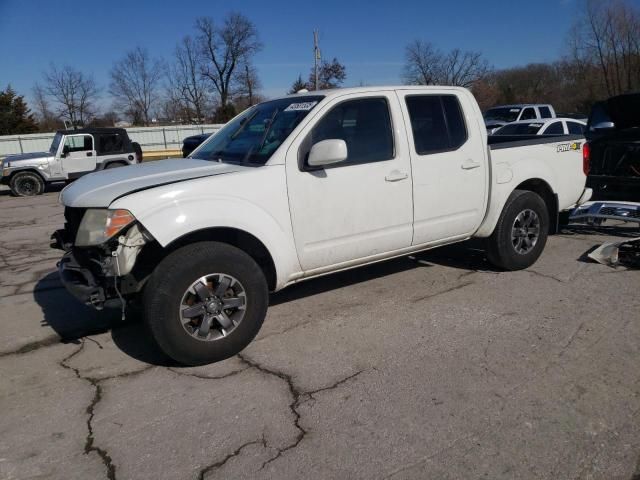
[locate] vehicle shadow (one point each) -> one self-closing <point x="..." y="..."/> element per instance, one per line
<point x="72" y="320"/>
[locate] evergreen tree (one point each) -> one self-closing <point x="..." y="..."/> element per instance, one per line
<point x="297" y="86"/>
<point x="15" y="116"/>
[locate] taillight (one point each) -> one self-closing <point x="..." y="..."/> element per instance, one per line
<point x="586" y="158"/>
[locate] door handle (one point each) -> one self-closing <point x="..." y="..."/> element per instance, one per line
<point x="470" y="164"/>
<point x="89" y="154"/>
<point x="396" y="176"/>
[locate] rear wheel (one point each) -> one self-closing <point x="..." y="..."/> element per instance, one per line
<point x="521" y="232"/>
<point x="205" y="302"/>
<point x="26" y="184"/>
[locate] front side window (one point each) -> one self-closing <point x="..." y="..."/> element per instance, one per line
<point x="437" y="123"/>
<point x="528" y="114"/>
<point x="78" y="143"/>
<point x="554" y="129"/>
<point x="252" y="137"/>
<point x="364" y="125"/>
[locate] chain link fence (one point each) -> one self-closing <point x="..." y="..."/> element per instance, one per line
<point x="149" y="138"/>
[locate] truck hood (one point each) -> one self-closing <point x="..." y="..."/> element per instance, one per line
<point x="100" y="189"/>
<point x="30" y="157"/>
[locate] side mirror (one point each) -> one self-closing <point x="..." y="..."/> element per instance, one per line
<point x="328" y="152"/>
<point x="65" y="151"/>
<point x="599" y="127"/>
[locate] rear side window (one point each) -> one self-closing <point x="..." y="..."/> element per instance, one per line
<point x="364" y="125"/>
<point x="437" y="123"/>
<point x="545" y="112"/>
<point x="554" y="129"/>
<point x="575" y="128"/>
<point x="528" y="114"/>
<point x="111" y="143"/>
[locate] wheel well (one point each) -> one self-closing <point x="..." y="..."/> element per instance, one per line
<point x="119" y="162"/>
<point x="238" y="238"/>
<point x="543" y="189"/>
<point x="27" y="170"/>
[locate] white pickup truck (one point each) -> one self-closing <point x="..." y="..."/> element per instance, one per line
<point x="303" y="186"/>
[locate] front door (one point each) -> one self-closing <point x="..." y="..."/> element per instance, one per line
<point x="449" y="163"/>
<point x="361" y="207"/>
<point x="79" y="154"/>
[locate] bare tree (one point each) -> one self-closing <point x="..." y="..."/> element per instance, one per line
<point x="224" y="49"/>
<point x="330" y="75"/>
<point x="608" y="35"/>
<point x="47" y="119"/>
<point x="185" y="80"/>
<point x="135" y="84"/>
<point x="422" y="63"/>
<point x="74" y="93"/>
<point x="426" y="65"/>
<point x="247" y="84"/>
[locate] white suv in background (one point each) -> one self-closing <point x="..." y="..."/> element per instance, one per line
<point x="499" y="116"/>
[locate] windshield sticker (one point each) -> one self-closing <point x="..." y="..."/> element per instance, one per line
<point x="300" y="107"/>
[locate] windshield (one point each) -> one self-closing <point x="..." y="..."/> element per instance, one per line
<point x="252" y="137"/>
<point x="56" y="142"/>
<point x="519" y="129"/>
<point x="504" y="114"/>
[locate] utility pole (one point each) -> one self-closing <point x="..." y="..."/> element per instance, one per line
<point x="316" y="58"/>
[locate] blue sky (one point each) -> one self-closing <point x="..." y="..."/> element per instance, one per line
<point x="368" y="36"/>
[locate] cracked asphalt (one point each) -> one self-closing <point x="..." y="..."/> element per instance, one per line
<point x="433" y="366"/>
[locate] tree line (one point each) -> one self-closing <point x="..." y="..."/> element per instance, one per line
<point x="210" y="75"/>
<point x="602" y="59"/>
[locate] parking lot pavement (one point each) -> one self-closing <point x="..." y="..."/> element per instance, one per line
<point x="426" y="367"/>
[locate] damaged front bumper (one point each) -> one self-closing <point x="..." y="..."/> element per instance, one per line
<point x="81" y="282"/>
<point x="100" y="276"/>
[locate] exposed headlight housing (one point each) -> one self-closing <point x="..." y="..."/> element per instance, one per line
<point x="99" y="225"/>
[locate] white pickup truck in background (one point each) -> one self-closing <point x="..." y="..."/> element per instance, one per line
<point x="303" y="186"/>
<point x="502" y="115"/>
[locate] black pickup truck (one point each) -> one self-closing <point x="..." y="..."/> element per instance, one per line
<point x="613" y="148"/>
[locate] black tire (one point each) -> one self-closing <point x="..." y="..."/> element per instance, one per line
<point x="502" y="247"/>
<point x="115" y="165"/>
<point x="26" y="184"/>
<point x="163" y="296"/>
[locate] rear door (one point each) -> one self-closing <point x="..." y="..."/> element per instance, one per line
<point x="449" y="164"/>
<point x="80" y="154"/>
<point x="361" y="207"/>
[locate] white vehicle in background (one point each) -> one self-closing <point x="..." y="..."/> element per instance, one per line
<point x="499" y="116"/>
<point x="303" y="186"/>
<point x="552" y="126"/>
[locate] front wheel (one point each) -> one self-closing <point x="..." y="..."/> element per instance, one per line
<point x="26" y="184"/>
<point x="205" y="302"/>
<point x="521" y="232"/>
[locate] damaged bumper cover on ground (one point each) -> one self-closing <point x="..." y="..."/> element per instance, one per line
<point x="625" y="254"/>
